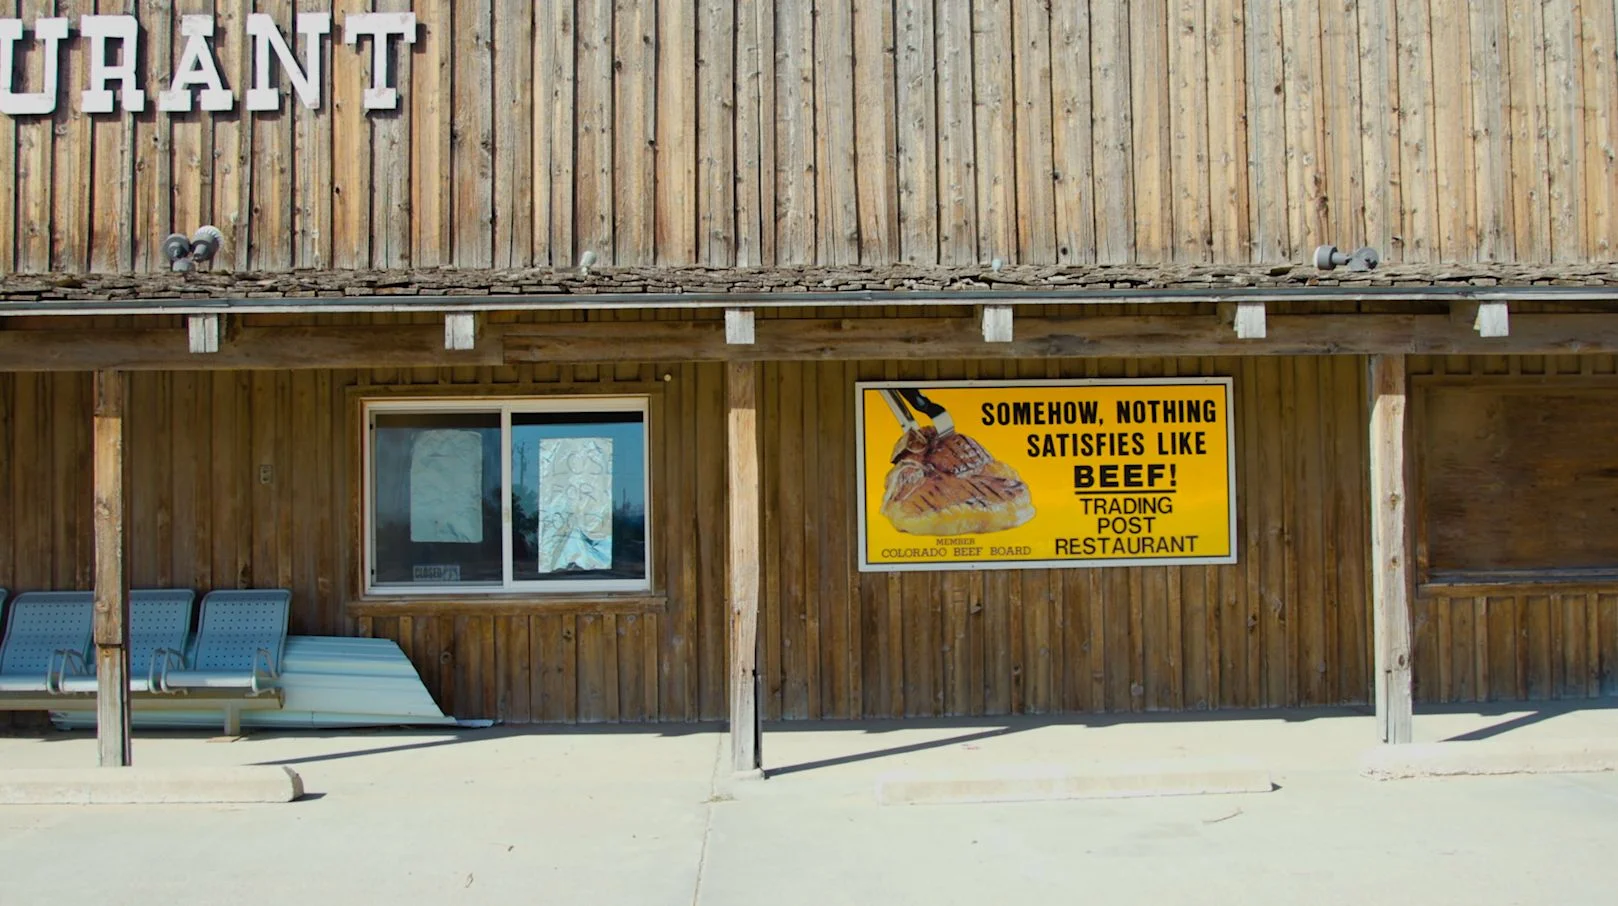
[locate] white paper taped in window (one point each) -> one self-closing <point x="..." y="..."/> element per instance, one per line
<point x="446" y="487"/>
<point x="575" y="503"/>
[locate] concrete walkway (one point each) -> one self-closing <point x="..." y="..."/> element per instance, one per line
<point x="647" y="815"/>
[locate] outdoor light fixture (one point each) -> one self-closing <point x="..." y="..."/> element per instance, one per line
<point x="184" y="254"/>
<point x="586" y="261"/>
<point x="205" y="243"/>
<point x="177" y="249"/>
<point x="1327" y="257"/>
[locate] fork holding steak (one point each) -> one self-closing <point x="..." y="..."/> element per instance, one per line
<point x="950" y="485"/>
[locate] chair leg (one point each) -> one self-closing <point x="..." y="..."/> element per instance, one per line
<point x="233" y="721"/>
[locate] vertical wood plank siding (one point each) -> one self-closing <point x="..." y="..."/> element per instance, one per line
<point x="766" y="132"/>
<point x="1287" y="625"/>
<point x="1494" y="644"/>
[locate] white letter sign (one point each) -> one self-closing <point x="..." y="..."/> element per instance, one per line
<point x="112" y="71"/>
<point x="306" y="82"/>
<point x="197" y="67"/>
<point x="99" y="30"/>
<point x="49" y="33"/>
<point x="378" y="27"/>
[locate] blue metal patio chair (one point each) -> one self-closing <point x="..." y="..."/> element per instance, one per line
<point x="236" y="660"/>
<point x="42" y="628"/>
<point x="159" y="623"/>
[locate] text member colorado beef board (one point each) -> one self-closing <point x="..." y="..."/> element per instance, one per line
<point x="997" y="474"/>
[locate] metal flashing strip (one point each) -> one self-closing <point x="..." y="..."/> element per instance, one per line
<point x="874" y="298"/>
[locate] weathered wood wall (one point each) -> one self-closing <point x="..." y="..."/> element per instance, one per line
<point x="201" y="517"/>
<point x="1287" y="625"/>
<point x="1515" y="473"/>
<point x="1481" y="635"/>
<point x="770" y="132"/>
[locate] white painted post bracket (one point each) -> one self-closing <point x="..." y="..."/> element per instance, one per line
<point x="1491" y="320"/>
<point x="204" y="331"/>
<point x="1250" y="323"/>
<point x="739" y="326"/>
<point x="460" y="330"/>
<point x="997" y="324"/>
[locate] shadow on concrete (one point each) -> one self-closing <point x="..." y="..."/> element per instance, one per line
<point x="886" y="753"/>
<point x="363" y="753"/>
<point x="437" y="737"/>
<point x="1515" y="715"/>
<point x="981" y="728"/>
<point x="1538" y="712"/>
<point x="973" y="729"/>
<point x="442" y="735"/>
<point x="1020" y="722"/>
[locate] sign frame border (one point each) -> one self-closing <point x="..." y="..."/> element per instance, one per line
<point x="861" y="513"/>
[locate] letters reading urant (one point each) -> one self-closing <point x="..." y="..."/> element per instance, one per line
<point x="115" y="85"/>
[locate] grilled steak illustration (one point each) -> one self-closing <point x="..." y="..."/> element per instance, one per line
<point x="950" y="485"/>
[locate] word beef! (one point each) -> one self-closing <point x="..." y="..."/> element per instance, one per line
<point x="114" y="85"/>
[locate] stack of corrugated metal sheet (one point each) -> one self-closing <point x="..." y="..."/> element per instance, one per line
<point x="329" y="682"/>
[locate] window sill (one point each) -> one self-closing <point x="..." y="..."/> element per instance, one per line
<point x="506" y="605"/>
<point x="1469" y="583"/>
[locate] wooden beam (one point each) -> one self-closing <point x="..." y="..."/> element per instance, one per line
<point x="796" y="339"/>
<point x="204" y="333"/>
<point x="111" y="580"/>
<point x="1118" y="336"/>
<point x="739" y="326"/>
<point x="742" y="564"/>
<point x="392" y="346"/>
<point x="1390" y="549"/>
<point x="997" y="324"/>
<point x="460" y="330"/>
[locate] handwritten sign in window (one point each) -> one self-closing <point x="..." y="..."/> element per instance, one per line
<point x="575" y="503"/>
<point x="446" y="486"/>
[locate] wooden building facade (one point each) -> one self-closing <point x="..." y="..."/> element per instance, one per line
<point x="734" y="212"/>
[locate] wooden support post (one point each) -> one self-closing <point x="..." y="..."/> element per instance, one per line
<point x="111" y="581"/>
<point x="1390" y="549"/>
<point x="742" y="563"/>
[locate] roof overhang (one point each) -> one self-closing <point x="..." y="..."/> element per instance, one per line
<point x="496" y="301"/>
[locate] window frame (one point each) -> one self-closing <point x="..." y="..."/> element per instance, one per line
<point x="504" y="406"/>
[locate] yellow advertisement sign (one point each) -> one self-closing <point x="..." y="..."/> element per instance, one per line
<point x="1008" y="474"/>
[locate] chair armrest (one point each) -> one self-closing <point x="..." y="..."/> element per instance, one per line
<point x="269" y="668"/>
<point x="60" y="659"/>
<point x="157" y="673"/>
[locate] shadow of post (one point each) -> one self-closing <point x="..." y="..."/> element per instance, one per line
<point x="1541" y="712"/>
